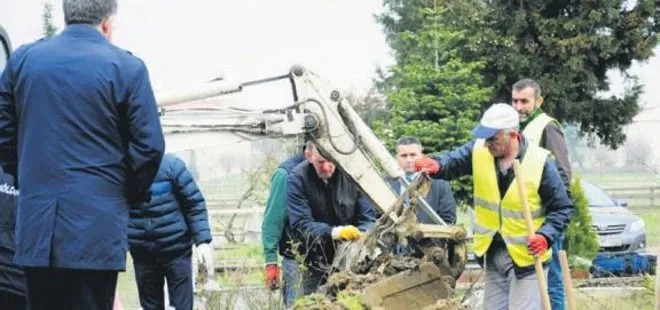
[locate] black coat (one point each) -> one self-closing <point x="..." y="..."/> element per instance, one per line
<point x="12" y="278"/>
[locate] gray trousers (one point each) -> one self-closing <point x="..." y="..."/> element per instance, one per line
<point x="503" y="290"/>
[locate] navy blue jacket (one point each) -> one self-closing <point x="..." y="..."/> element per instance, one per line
<point x="79" y="128"/>
<point x="12" y="279"/>
<point x="315" y="208"/>
<point x="440" y="198"/>
<point x="173" y="219"/>
<point x="554" y="197"/>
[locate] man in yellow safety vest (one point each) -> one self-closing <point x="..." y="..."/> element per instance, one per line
<point x="500" y="232"/>
<point x="541" y="129"/>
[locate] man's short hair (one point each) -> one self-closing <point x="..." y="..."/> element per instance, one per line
<point x="91" y="12"/>
<point x="309" y="145"/>
<point x="408" y="141"/>
<point x="524" y="83"/>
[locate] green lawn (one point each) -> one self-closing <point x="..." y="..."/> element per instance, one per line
<point x="652" y="222"/>
<point x="127" y="287"/>
<point x="620" y="179"/>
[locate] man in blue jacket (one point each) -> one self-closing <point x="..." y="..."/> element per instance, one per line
<point x="500" y="237"/>
<point x="12" y="279"/>
<point x="79" y="130"/>
<point x="325" y="206"/>
<point x="162" y="232"/>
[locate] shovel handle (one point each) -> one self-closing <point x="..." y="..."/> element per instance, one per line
<point x="538" y="265"/>
<point x="568" y="281"/>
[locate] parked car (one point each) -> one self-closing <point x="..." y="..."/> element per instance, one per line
<point x="5" y="48"/>
<point x="619" y="230"/>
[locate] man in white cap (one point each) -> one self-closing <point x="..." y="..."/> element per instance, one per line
<point x="500" y="233"/>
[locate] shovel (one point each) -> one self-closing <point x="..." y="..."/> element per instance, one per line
<point x="538" y="265"/>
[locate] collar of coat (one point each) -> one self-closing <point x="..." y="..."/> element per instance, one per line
<point x="86" y="31"/>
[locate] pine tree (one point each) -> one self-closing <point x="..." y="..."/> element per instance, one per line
<point x="434" y="95"/>
<point x="48" y="26"/>
<point x="568" y="46"/>
<point x="581" y="240"/>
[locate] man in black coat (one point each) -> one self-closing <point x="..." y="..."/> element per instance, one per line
<point x="12" y="279"/>
<point x="79" y="130"/>
<point x="325" y="208"/>
<point x="440" y="197"/>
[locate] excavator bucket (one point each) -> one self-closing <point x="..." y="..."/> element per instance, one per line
<point x="425" y="274"/>
<point x="410" y="289"/>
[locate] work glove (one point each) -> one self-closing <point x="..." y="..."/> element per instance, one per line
<point x="346" y="233"/>
<point x="427" y="165"/>
<point x="537" y="244"/>
<point x="205" y="258"/>
<point x="272" y="276"/>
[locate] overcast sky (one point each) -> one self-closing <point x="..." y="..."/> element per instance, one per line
<point x="195" y="40"/>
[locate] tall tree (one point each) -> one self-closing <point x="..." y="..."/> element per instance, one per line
<point x="568" y="46"/>
<point x="434" y="95"/>
<point x="48" y="26"/>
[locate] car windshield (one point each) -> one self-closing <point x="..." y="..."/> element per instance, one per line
<point x="596" y="196"/>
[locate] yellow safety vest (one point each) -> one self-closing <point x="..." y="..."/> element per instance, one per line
<point x="534" y="130"/>
<point x="493" y="214"/>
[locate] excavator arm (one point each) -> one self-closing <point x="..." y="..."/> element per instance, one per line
<point x="320" y="112"/>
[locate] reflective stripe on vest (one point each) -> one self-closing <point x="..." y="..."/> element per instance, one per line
<point x="534" y="130"/>
<point x="493" y="214"/>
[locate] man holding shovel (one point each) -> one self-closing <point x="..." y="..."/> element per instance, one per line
<point x="501" y="239"/>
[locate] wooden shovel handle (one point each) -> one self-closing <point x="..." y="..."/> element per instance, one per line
<point x="538" y="265"/>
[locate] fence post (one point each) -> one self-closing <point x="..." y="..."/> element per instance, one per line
<point x="653" y="196"/>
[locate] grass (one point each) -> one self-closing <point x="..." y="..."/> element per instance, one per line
<point x="652" y="222"/>
<point x="620" y="179"/>
<point x="127" y="288"/>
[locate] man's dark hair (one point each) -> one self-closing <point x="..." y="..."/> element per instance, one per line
<point x="408" y="141"/>
<point x="91" y="12"/>
<point x="524" y="83"/>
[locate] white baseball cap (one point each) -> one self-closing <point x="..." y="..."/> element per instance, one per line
<point x="499" y="116"/>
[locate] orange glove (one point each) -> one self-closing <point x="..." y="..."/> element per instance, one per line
<point x="272" y="276"/>
<point x="427" y="165"/>
<point x="537" y="245"/>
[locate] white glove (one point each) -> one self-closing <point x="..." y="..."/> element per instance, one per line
<point x="205" y="258"/>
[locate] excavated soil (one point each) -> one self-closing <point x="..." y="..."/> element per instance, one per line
<point x="345" y="281"/>
<point x="445" y="304"/>
<point x="319" y="302"/>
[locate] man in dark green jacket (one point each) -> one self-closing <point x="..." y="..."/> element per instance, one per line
<point x="275" y="232"/>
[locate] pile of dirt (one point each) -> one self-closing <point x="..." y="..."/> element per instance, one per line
<point x="445" y="304"/>
<point x="318" y="301"/>
<point x="396" y="264"/>
<point x="348" y="281"/>
<point x="343" y="290"/>
<point x="387" y="265"/>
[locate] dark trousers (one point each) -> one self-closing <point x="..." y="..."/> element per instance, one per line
<point x="74" y="289"/>
<point x="150" y="276"/>
<point x="10" y="301"/>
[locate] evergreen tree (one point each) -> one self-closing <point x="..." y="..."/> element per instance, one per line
<point x="581" y="240"/>
<point x="568" y="46"/>
<point x="48" y="26"/>
<point x="434" y="95"/>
